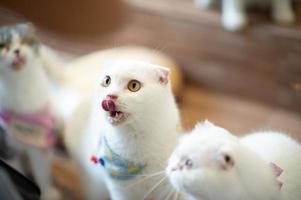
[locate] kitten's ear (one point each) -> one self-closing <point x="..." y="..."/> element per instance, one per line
<point x="202" y="124"/>
<point x="163" y="73"/>
<point x="277" y="171"/>
<point x="28" y="33"/>
<point x="26" y="29"/>
<point x="226" y="159"/>
<point x="208" y="123"/>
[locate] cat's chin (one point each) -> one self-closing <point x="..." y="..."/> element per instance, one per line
<point x="177" y="183"/>
<point x="117" y="118"/>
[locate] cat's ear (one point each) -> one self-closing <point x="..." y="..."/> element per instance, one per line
<point x="226" y="159"/>
<point x="203" y="124"/>
<point x="163" y="75"/>
<point x="277" y="171"/>
<point x="26" y="29"/>
<point x="28" y="33"/>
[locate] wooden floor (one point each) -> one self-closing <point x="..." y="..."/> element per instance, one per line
<point x="239" y="81"/>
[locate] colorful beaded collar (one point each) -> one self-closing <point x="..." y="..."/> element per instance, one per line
<point x="116" y="166"/>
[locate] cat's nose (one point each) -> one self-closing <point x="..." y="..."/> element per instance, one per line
<point x="177" y="168"/>
<point x="112" y="96"/>
<point x="17" y="51"/>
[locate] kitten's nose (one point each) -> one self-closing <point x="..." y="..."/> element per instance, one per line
<point x="176" y="168"/>
<point x="17" y="51"/>
<point x="112" y="96"/>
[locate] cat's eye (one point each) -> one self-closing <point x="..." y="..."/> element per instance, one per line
<point x="4" y="46"/>
<point x="134" y="85"/>
<point x="106" y="81"/>
<point x="188" y="163"/>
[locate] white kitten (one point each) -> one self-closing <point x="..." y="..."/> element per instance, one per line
<point x="25" y="106"/>
<point x="234" y="14"/>
<point x="210" y="163"/>
<point x="131" y="127"/>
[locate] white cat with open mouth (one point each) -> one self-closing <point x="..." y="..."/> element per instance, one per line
<point x="131" y="127"/>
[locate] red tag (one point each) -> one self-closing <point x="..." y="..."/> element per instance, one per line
<point x="94" y="159"/>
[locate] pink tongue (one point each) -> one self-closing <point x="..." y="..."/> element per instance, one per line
<point x="17" y="61"/>
<point x="109" y="105"/>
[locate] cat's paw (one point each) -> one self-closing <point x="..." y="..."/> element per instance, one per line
<point x="234" y="21"/>
<point x="204" y="4"/>
<point x="284" y="16"/>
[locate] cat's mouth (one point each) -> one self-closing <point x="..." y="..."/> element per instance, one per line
<point x="115" y="116"/>
<point x="18" y="62"/>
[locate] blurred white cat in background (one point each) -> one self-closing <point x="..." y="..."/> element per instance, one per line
<point x="234" y="14"/>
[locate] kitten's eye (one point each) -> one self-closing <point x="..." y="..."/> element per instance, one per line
<point x="134" y="85"/>
<point x="106" y="82"/>
<point x="188" y="163"/>
<point x="4" y="46"/>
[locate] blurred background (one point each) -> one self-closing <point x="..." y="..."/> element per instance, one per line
<point x="243" y="81"/>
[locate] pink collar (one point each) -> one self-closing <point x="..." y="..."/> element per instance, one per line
<point x="42" y="117"/>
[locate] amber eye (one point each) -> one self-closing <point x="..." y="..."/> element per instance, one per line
<point x="106" y="81"/>
<point x="134" y="85"/>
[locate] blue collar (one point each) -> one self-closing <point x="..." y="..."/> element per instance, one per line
<point x="116" y="166"/>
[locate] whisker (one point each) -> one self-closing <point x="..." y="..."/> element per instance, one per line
<point x="122" y="104"/>
<point x="154" y="187"/>
<point x="137" y="182"/>
<point x="170" y="194"/>
<point x="144" y="179"/>
<point x="153" y="174"/>
<point x="147" y="175"/>
<point x="177" y="195"/>
<point x="164" y="193"/>
<point x="162" y="196"/>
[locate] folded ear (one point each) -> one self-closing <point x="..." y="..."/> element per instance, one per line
<point x="277" y="171"/>
<point x="28" y="33"/>
<point x="226" y="159"/>
<point x="163" y="74"/>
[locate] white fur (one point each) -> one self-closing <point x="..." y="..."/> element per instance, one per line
<point x="27" y="91"/>
<point x="251" y="176"/>
<point x="147" y="136"/>
<point x="234" y="16"/>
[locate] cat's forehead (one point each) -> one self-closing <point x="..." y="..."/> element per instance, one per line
<point x="130" y="69"/>
<point x="17" y="33"/>
<point x="204" y="139"/>
<point x="192" y="143"/>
